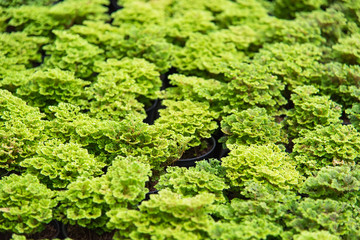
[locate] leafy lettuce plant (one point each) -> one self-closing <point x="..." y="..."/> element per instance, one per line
<point x="57" y="165"/>
<point x="166" y="215"/>
<point x="258" y="214"/>
<point x="294" y="64"/>
<point x="250" y="85"/>
<point x="50" y="87"/>
<point x="26" y="205"/>
<point x="205" y="177"/>
<point x="339" y="182"/>
<point x="354" y="115"/>
<point x="107" y="138"/>
<point x="263" y="164"/>
<point x="347" y="49"/>
<point x="318" y="214"/>
<point x="133" y="75"/>
<point x="73" y="53"/>
<point x="87" y="201"/>
<point x="316" y="235"/>
<point x="288" y="8"/>
<point x="190" y="119"/>
<point x="335" y="144"/>
<point x="251" y="126"/>
<point x="21" y="128"/>
<point x="42" y="20"/>
<point x="197" y="89"/>
<point x="19" y="49"/>
<point x="340" y="81"/>
<point x="310" y="110"/>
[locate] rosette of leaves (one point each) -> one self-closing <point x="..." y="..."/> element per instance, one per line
<point x="295" y="64"/>
<point x="51" y="86"/>
<point x="310" y="110"/>
<point x="21" y="129"/>
<point x="166" y="215"/>
<point x="87" y="201"/>
<point x="340" y="81"/>
<point x="350" y="8"/>
<point x="249" y="228"/>
<point x="319" y="214"/>
<point x="189" y="119"/>
<point x="206" y="177"/>
<point x="197" y="89"/>
<point x="250" y="85"/>
<point x="106" y="138"/>
<point x="57" y="164"/>
<point x="133" y="75"/>
<point x="138" y="13"/>
<point x="241" y="12"/>
<point x="347" y="49"/>
<point x="288" y="8"/>
<point x="258" y="213"/>
<point x="26" y="205"/>
<point x="212" y="53"/>
<point x="147" y="42"/>
<point x="73" y="53"/>
<point x="335" y="144"/>
<point x="42" y="20"/>
<point x="261" y="163"/>
<point x="332" y="23"/>
<point x="339" y="182"/>
<point x="181" y="26"/>
<point x="316" y="235"/>
<point x="251" y="126"/>
<point x="20" y="49"/>
<point x="102" y="34"/>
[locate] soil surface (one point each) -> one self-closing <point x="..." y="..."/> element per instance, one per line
<point x="197" y="151"/>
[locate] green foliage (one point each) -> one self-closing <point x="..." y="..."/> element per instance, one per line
<point x="138" y="13"/>
<point x="333" y="182"/>
<point x="48" y="87"/>
<point x="354" y="115"/>
<point x="134" y="75"/>
<point x="206" y="177"/>
<point x="71" y="52"/>
<point x="317" y="235"/>
<point x="250" y="85"/>
<point x="42" y="20"/>
<point x="341" y="82"/>
<point x="20" y="49"/>
<point x="26" y="205"/>
<point x="57" y="164"/>
<point x="261" y="163"/>
<point x="166" y="215"/>
<point x="334" y="144"/>
<point x="251" y="228"/>
<point x="251" y="126"/>
<point x="295" y="64"/>
<point x="129" y="137"/>
<point x="337" y="217"/>
<point x="21" y="128"/>
<point x="288" y="8"/>
<point x="189" y="119"/>
<point x="347" y="50"/>
<point x="147" y="42"/>
<point x="310" y="110"/>
<point x="87" y="201"/>
<point x="197" y="89"/>
<point x="181" y="26"/>
<point x="19" y="3"/>
<point x="213" y="52"/>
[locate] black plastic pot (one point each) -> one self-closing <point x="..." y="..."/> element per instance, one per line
<point x="151" y="112"/>
<point x="191" y="162"/>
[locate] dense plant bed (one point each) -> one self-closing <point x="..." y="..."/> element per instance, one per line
<point x="101" y="102"/>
